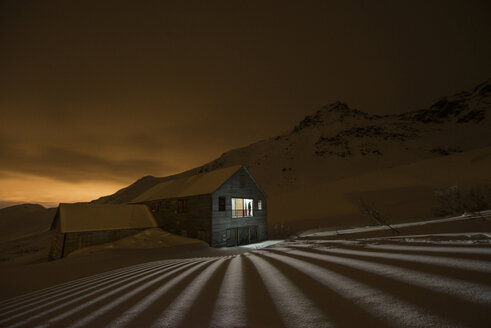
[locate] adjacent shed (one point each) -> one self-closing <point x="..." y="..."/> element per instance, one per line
<point x="81" y="225"/>
<point x="224" y="207"/>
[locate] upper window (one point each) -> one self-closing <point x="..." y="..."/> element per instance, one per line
<point x="155" y="206"/>
<point x="182" y="205"/>
<point x="221" y="204"/>
<point x="241" y="207"/>
<point x="260" y="205"/>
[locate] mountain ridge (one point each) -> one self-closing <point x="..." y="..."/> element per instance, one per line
<point x="336" y="142"/>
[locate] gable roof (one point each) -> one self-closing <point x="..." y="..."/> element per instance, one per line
<point x="98" y="217"/>
<point x="200" y="184"/>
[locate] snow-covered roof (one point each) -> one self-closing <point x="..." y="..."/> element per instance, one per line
<point x="99" y="217"/>
<point x="200" y="184"/>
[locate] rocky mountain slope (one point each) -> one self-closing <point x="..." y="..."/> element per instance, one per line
<point x="337" y="142"/>
<point x="316" y="173"/>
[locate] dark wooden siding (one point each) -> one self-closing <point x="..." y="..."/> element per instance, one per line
<point x="193" y="222"/>
<point x="57" y="245"/>
<point x="77" y="240"/>
<point x="227" y="230"/>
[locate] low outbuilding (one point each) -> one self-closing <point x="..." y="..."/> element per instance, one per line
<point x="80" y="225"/>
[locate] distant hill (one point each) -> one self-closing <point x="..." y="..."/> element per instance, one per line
<point x="13" y="212"/>
<point x="4" y="204"/>
<point x="25" y="219"/>
<point x="24" y="233"/>
<point x="337" y="142"/>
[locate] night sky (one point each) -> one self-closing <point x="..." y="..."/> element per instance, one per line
<point x="95" y="94"/>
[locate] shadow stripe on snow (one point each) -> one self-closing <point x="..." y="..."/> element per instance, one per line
<point x="93" y="301"/>
<point x="74" y="282"/>
<point x="229" y="309"/>
<point x="61" y="285"/>
<point x="455" y="273"/>
<point x="342" y="311"/>
<point x="445" y="251"/>
<point x="456" y="311"/>
<point x="145" y="274"/>
<point x="473" y="265"/>
<point x="174" y="314"/>
<point x="140" y="306"/>
<point x="52" y="300"/>
<point x="423" y="243"/>
<point x="294" y="307"/>
<point x="200" y="312"/>
<point x="18" y="300"/>
<point x="91" y="284"/>
<point x="261" y="309"/>
<point x="483" y="235"/>
<point x="434" y="249"/>
<point x="469" y="250"/>
<point x="411" y="241"/>
<point x="391" y="309"/>
<point x="468" y="291"/>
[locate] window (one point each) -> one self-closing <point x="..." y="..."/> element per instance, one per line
<point x="241" y="207"/>
<point x="182" y="205"/>
<point x="259" y="205"/>
<point x="155" y="206"/>
<point x="221" y="204"/>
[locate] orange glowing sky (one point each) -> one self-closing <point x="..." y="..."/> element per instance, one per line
<point x="49" y="192"/>
<point x="96" y="94"/>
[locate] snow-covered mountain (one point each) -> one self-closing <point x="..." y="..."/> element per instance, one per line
<point x="337" y="142"/>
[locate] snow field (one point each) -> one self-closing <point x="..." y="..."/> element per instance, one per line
<point x="321" y="283"/>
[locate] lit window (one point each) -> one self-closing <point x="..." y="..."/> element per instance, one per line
<point x="241" y="207"/>
<point x="260" y="205"/>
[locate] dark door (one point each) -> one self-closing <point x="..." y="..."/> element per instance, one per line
<point x="244" y="237"/>
<point x="253" y="233"/>
<point x="232" y="237"/>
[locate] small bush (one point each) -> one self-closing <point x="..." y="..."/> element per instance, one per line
<point x="456" y="201"/>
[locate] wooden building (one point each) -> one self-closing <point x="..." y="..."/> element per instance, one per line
<point x="81" y="225"/>
<point x="225" y="207"/>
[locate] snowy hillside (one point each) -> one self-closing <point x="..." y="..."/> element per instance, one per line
<point x="336" y="155"/>
<point x="337" y="141"/>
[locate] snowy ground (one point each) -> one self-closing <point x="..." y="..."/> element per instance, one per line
<point x="398" y="225"/>
<point x="423" y="280"/>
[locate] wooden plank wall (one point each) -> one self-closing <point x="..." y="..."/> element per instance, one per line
<point x="76" y="240"/>
<point x="57" y="244"/>
<point x="194" y="222"/>
<point x="240" y="185"/>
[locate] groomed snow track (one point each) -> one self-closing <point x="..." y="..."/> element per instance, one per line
<point x="376" y="282"/>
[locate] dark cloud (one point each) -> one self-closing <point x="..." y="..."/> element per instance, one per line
<point x="111" y="90"/>
<point x="72" y="165"/>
